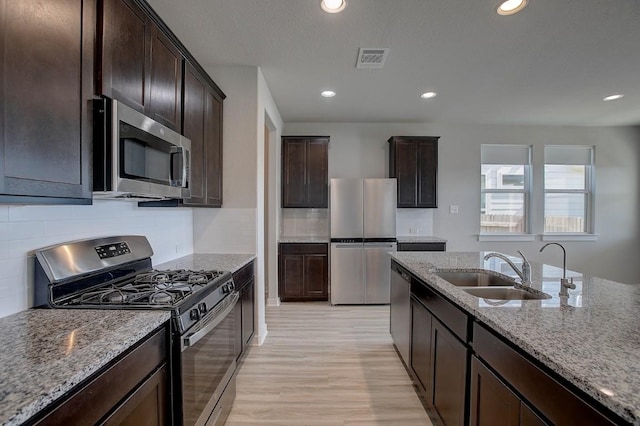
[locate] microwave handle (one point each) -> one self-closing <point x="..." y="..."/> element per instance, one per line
<point x="184" y="175"/>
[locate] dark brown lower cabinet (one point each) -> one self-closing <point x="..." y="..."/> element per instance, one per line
<point x="449" y="369"/>
<point x="244" y="280"/>
<point x="492" y="402"/>
<point x="303" y="271"/>
<point x="132" y="390"/>
<point x="438" y="360"/>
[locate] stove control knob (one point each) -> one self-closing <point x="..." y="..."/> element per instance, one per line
<point x="202" y="307"/>
<point x="194" y="314"/>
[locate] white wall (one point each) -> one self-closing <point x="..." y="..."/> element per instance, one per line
<point x="360" y="149"/>
<point x="26" y="228"/>
<point x="232" y="229"/>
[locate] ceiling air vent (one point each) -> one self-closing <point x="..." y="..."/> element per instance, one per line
<point x="371" y="58"/>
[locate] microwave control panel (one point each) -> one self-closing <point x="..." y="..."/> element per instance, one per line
<point x="112" y="250"/>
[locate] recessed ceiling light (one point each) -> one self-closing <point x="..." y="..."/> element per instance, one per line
<point x="328" y="94"/>
<point x="509" y="7"/>
<point x="333" y="6"/>
<point x="428" y="95"/>
<point x="613" y="97"/>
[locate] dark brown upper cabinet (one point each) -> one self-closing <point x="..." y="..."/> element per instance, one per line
<point x="413" y="161"/>
<point x="305" y="176"/>
<point x="202" y="123"/>
<point x="46" y="83"/>
<point x="138" y="64"/>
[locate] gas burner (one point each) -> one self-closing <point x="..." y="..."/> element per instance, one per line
<point x="152" y="277"/>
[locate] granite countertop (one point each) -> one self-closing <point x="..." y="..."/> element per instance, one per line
<point x="46" y="352"/>
<point x="592" y="340"/>
<point x="420" y="239"/>
<point x="305" y="239"/>
<point x="204" y="261"/>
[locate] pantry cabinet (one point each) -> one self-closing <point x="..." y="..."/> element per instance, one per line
<point x="46" y="84"/>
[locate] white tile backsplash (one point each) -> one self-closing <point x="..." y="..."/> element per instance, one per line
<point x="413" y="222"/>
<point x="304" y="222"/>
<point x="27" y="228"/>
<point x="227" y="230"/>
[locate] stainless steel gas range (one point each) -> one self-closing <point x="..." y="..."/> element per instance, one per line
<point x="116" y="273"/>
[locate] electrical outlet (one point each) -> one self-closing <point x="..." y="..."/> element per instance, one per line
<point x="453" y="209"/>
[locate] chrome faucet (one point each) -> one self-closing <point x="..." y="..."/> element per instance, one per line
<point x="525" y="274"/>
<point x="565" y="284"/>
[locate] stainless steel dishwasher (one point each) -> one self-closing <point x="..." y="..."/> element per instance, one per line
<point x="400" y="323"/>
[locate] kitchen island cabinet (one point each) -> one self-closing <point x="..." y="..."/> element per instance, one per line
<point x="521" y="372"/>
<point x="45" y="87"/>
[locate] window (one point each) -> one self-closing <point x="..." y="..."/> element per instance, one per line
<point x="505" y="188"/>
<point x="568" y="189"/>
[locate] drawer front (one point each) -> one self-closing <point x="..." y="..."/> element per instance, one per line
<point x="455" y="319"/>
<point x="422" y="246"/>
<point x="243" y="276"/>
<point x="303" y="248"/>
<point x="534" y="384"/>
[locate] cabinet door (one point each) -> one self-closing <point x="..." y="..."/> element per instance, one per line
<point x="237" y="321"/>
<point x="315" y="276"/>
<point x="528" y="417"/>
<point x="449" y="369"/>
<point x="294" y="155"/>
<point x="427" y="153"/>
<point x="291" y="276"/>
<point x="165" y="84"/>
<point x="247" y="300"/>
<point x="420" y="359"/>
<point x="193" y="127"/>
<point x="317" y="173"/>
<point x="406" y="169"/>
<point x="46" y="82"/>
<point x="213" y="149"/>
<point x="124" y="73"/>
<point x="492" y="402"/>
<point x="148" y="405"/>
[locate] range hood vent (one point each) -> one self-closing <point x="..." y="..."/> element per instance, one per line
<point x="371" y="57"/>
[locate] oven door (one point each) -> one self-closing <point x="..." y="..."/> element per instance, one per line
<point x="207" y="364"/>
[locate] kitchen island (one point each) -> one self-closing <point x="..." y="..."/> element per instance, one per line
<point x="589" y="341"/>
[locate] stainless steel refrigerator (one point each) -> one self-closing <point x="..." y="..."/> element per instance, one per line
<point x="363" y="232"/>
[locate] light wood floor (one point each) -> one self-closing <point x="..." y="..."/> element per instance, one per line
<point x="324" y="365"/>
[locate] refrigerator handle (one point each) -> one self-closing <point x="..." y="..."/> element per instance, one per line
<point x="389" y="245"/>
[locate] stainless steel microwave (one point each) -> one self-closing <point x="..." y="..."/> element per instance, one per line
<point x="136" y="158"/>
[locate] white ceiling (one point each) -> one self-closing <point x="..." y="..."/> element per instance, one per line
<point x="550" y="64"/>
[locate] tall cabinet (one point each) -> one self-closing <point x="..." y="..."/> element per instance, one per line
<point x="413" y="161"/>
<point x="305" y="174"/>
<point x="46" y="82"/>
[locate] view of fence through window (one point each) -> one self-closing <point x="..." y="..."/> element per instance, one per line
<point x="565" y="198"/>
<point x="502" y="200"/>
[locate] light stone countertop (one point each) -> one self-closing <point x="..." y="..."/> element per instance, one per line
<point x="304" y="239"/>
<point x="46" y="352"/>
<point x="593" y="341"/>
<point x="420" y="239"/>
<point x="213" y="261"/>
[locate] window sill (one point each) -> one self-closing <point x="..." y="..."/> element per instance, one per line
<point x="569" y="237"/>
<point x="506" y="237"/>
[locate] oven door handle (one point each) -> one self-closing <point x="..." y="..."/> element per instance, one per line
<point x="211" y="323"/>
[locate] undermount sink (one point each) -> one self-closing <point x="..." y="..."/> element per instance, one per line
<point x="503" y="293"/>
<point x="475" y="279"/>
